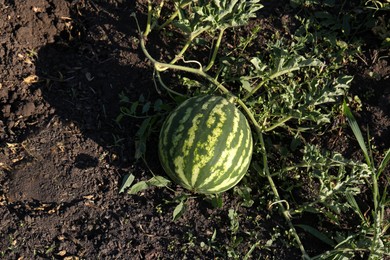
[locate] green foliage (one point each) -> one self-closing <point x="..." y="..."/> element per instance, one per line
<point x="290" y="89"/>
<point x="245" y="193"/>
<point x="201" y="15"/>
<point x="155" y="181"/>
<point x="378" y="225"/>
<point x="126" y="182"/>
<point x="334" y="179"/>
<point x="151" y="115"/>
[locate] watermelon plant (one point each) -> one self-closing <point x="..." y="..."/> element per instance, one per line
<point x="283" y="90"/>
<point x="206" y="145"/>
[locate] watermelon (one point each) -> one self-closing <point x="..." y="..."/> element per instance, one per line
<point x="205" y="144"/>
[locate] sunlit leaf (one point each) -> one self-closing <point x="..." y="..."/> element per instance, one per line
<point x="139" y="186"/>
<point x="178" y="211"/>
<point x="384" y="162"/>
<point x="356" y="131"/>
<point x="246" y="85"/>
<point x="158" y="181"/>
<point x="126" y="182"/>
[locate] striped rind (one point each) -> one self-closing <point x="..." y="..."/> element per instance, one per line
<point x="206" y="144"/>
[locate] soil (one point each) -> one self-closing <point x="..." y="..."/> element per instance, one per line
<point x="63" y="67"/>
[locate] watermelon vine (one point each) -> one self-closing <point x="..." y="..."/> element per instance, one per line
<point x="287" y="85"/>
<point x="161" y="66"/>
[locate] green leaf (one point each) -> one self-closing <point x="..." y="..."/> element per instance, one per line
<point x="146" y="107"/>
<point x="140" y="149"/>
<point x="133" y="108"/>
<point x="234" y="223"/>
<point x="352" y="202"/>
<point x="158" y="181"/>
<point x="246" y="85"/>
<point x="145" y="125"/>
<point x="126" y="182"/>
<point x="157" y="106"/>
<point x="314" y="232"/>
<point x="179" y="211"/>
<point x="141" y="98"/>
<point x="285" y="65"/>
<point x="384" y="162"/>
<point x="142" y="134"/>
<point x="258" y="64"/>
<point x="139" y="186"/>
<point x="184" y="26"/>
<point x="245" y="193"/>
<point x="356" y="131"/>
<point x="216" y="201"/>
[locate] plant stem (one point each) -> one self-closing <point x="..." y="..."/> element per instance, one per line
<point x="192" y="36"/>
<point x="278" y="200"/>
<point x="376" y="215"/>
<point x="215" y="51"/>
<point x="273" y="76"/>
<point x="159" y="66"/>
<point x="279" y="123"/>
<point x="149" y="21"/>
<point x="173" y="16"/>
<point x="165" y="86"/>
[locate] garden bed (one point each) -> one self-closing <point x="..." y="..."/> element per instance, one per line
<point x="67" y="67"/>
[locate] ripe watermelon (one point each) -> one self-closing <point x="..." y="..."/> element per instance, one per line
<point x="205" y="145"/>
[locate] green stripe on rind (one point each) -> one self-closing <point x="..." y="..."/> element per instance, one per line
<point x="211" y="136"/>
<point x="183" y="150"/>
<point x="190" y="159"/>
<point x="181" y="115"/>
<point x="241" y="161"/>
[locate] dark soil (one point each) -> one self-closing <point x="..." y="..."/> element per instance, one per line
<point x="62" y="156"/>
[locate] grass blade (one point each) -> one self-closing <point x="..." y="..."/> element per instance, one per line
<point x="314" y="232"/>
<point x="384" y="162"/>
<point x="356" y="131"/>
<point x="352" y="202"/>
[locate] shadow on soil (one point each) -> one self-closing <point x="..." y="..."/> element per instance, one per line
<point x="94" y="60"/>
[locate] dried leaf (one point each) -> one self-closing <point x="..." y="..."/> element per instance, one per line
<point x="62" y="253"/>
<point x="31" y="79"/>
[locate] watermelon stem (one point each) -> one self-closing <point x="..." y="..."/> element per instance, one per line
<point x="158" y="76"/>
<point x="173" y="16"/>
<point x="279" y="123"/>
<point x="285" y="212"/>
<point x="215" y="51"/>
<point x="160" y="66"/>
